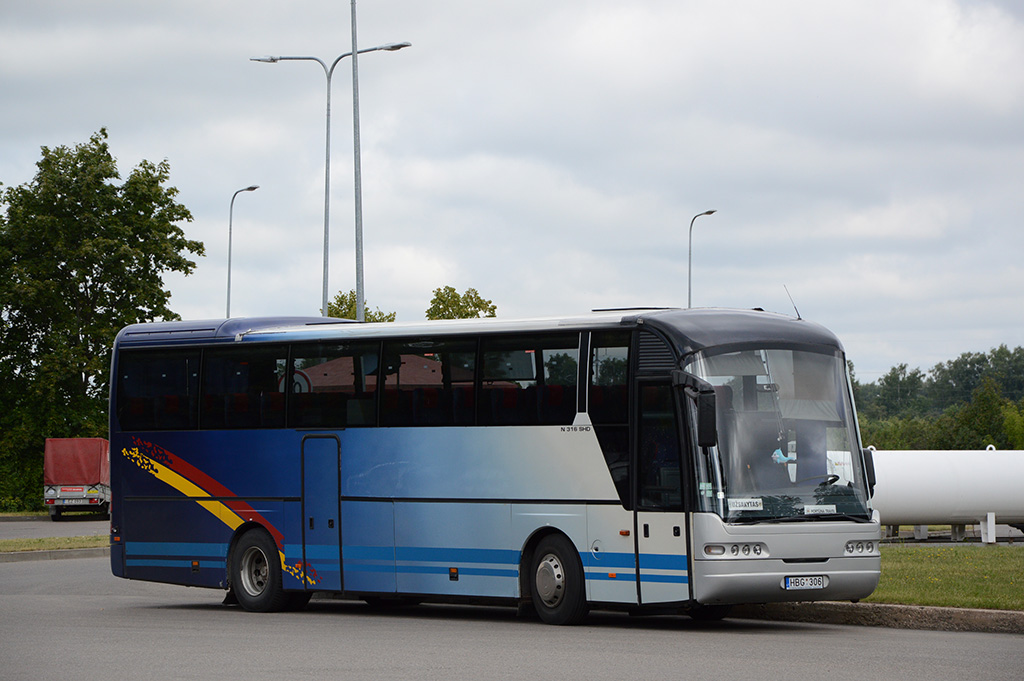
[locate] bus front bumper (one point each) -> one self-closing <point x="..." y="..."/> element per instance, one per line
<point x="774" y="580"/>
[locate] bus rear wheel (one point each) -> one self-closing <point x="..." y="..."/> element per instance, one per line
<point x="556" y="585"/>
<point x="256" y="573"/>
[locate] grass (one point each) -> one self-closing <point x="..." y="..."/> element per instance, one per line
<point x="53" y="543"/>
<point x="962" y="576"/>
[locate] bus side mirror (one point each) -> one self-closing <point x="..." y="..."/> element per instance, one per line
<point x="707" y="420"/>
<point x="869" y="470"/>
<point x="704" y="397"/>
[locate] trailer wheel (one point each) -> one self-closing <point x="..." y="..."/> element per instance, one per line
<point x="556" y="582"/>
<point x="256" y="573"/>
<point x="55" y="514"/>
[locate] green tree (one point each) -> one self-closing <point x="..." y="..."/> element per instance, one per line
<point x="903" y="433"/>
<point x="344" y="307"/>
<point x="1013" y="424"/>
<point x="80" y="257"/>
<point x="447" y="303"/>
<point x="900" y="392"/>
<point x="982" y="421"/>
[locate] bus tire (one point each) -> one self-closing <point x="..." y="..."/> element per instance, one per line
<point x="256" y="573"/>
<point x="556" y="582"/>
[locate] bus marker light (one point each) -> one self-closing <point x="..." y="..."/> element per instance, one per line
<point x="612" y="575"/>
<point x="453" y="574"/>
<point x="624" y="533"/>
<point x="714" y="550"/>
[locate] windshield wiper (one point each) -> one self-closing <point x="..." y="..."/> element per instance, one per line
<point x="811" y="517"/>
<point x="839" y="516"/>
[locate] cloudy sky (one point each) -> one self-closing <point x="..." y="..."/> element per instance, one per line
<point x="866" y="155"/>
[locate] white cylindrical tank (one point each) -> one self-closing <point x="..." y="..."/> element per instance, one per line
<point x="927" y="487"/>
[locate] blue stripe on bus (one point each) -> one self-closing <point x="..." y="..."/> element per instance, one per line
<point x="659" y="561"/>
<point x="425" y="554"/>
<point x="609" y="560"/>
<point x="154" y="562"/>
<point x="607" y="577"/>
<point x="318" y="552"/>
<point x="439" y="570"/>
<point x="145" y="548"/>
<point x="362" y="553"/>
<point x="368" y="566"/>
<point x="671" y="579"/>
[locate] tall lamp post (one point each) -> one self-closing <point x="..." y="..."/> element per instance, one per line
<point x="689" y="265"/>
<point x="329" y="72"/>
<point x="231" y="219"/>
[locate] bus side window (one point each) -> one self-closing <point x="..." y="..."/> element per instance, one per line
<point x="658" y="458"/>
<point x="608" y="403"/>
<point x="157" y="390"/>
<point x="529" y="380"/>
<point x="244" y="387"/>
<point x="428" y="383"/>
<point x="333" y="385"/>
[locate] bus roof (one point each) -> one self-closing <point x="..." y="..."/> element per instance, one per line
<point x="688" y="330"/>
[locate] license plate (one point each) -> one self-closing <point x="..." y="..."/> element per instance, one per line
<point x="814" y="582"/>
<point x="67" y="502"/>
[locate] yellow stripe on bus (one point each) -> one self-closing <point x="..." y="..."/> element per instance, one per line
<point x="195" y="492"/>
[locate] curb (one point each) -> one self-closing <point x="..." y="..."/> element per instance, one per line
<point x="888" y="615"/>
<point x="55" y="554"/>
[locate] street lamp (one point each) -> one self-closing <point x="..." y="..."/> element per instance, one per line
<point x="329" y="72"/>
<point x="689" y="266"/>
<point x="231" y="218"/>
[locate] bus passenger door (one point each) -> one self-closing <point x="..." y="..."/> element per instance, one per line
<point x="660" y="521"/>
<point x="321" y="512"/>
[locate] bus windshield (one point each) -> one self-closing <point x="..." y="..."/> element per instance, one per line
<point x="787" y="438"/>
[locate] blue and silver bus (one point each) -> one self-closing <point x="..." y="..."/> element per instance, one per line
<point x="656" y="459"/>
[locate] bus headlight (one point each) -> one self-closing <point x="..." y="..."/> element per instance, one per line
<point x="748" y="550"/>
<point x="861" y="548"/>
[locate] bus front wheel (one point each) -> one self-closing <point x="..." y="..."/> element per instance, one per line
<point x="556" y="586"/>
<point x="256" y="573"/>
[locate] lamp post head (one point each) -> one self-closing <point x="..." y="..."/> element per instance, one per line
<point x="710" y="212"/>
<point x="392" y="47"/>
<point x="251" y="188"/>
<point x="267" y="60"/>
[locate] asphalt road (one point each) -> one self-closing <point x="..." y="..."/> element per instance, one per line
<point x="78" y="525"/>
<point x="71" y="619"/>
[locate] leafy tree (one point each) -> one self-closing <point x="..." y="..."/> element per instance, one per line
<point x="900" y="392"/>
<point x="344" y="307"/>
<point x="954" y="382"/>
<point x="80" y="257"/>
<point x="1013" y="424"/>
<point x="449" y="304"/>
<point x="981" y="422"/>
<point x="903" y="433"/>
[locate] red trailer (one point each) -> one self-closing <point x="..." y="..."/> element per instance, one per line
<point x="76" y="475"/>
